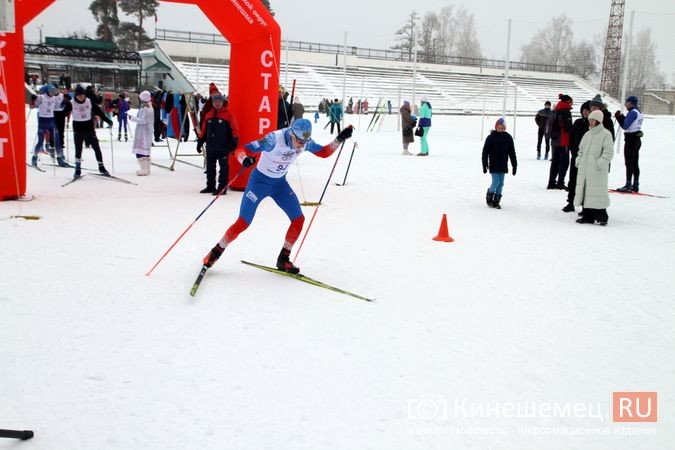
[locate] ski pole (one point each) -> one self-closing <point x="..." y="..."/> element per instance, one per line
<point x="349" y="165"/>
<point x="319" y="204"/>
<point x="193" y="222"/>
<point x="16" y="434"/>
<point x="112" y="152"/>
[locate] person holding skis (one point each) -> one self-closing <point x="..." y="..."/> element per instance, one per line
<point x="83" y="115"/>
<point x="277" y="152"/>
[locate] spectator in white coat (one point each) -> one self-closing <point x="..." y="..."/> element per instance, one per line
<point x="145" y="129"/>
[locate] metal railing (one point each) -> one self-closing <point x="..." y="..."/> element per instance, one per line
<point x="367" y="53"/>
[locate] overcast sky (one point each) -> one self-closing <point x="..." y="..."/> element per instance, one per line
<point x="372" y="23"/>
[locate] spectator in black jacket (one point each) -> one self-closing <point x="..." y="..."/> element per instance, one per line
<point x="579" y="128"/>
<point x="542" y="119"/>
<point x="561" y="127"/>
<point x="597" y="105"/>
<point x="498" y="149"/>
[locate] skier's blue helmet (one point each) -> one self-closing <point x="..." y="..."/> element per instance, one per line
<point x="302" y="129"/>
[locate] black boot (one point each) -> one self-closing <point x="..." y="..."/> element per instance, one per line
<point x="561" y="185"/>
<point x="568" y="208"/>
<point x="635" y="187"/>
<point x="625" y="188"/>
<point x="489" y="198"/>
<point x="538" y="154"/>
<point x="284" y="263"/>
<point x="208" y="190"/>
<point x="102" y="170"/>
<point x="119" y="137"/>
<point x="220" y="188"/>
<point x="551" y="184"/>
<point x="496" y="201"/>
<point x="213" y="255"/>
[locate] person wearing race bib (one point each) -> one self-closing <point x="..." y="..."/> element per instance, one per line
<point x="277" y="151"/>
<point x="632" y="133"/>
<point x="46" y="103"/>
<point x="82" y="111"/>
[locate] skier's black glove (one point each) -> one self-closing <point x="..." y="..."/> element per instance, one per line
<point x="484" y="169"/>
<point x="234" y="144"/>
<point x="514" y="171"/>
<point x="617" y="114"/>
<point x="345" y="134"/>
<point x="248" y="161"/>
<point x="200" y="144"/>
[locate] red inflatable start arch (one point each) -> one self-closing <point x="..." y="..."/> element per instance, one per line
<point x="255" y="39"/>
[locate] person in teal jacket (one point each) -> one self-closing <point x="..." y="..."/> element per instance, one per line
<point x="335" y="112"/>
<point x="425" y="124"/>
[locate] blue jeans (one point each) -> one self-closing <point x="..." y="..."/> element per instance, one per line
<point x="497" y="183"/>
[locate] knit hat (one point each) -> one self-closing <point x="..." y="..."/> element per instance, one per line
<point x="586" y="105"/>
<point x="596" y="115"/>
<point x="632" y="99"/>
<point x="144" y="96"/>
<point x="500" y="121"/>
<point x="597" y="101"/>
<point x="79" y="90"/>
<point x="547" y="103"/>
<point x="424" y="98"/>
<point x="564" y="98"/>
<point x="218" y="96"/>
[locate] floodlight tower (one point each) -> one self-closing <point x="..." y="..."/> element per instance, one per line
<point x="611" y="63"/>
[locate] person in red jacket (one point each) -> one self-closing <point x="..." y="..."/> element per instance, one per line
<point x="220" y="133"/>
<point x="561" y="128"/>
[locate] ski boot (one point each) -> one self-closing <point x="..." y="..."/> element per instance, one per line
<point x="539" y="155"/>
<point x="102" y="170"/>
<point x="119" y="137"/>
<point x="568" y="208"/>
<point x="61" y="161"/>
<point x="284" y="263"/>
<point x="208" y="190"/>
<point x="214" y="254"/>
<point x="220" y="188"/>
<point x="126" y="137"/>
<point x="626" y="188"/>
<point x="33" y="161"/>
<point x="546" y="156"/>
<point x="635" y="187"/>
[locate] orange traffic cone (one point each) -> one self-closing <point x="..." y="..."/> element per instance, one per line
<point x="443" y="234"/>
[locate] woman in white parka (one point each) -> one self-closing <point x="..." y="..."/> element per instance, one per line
<point x="145" y="126"/>
<point x="595" y="153"/>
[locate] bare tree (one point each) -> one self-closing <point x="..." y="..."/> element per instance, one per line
<point x="456" y="33"/>
<point x="550" y="45"/>
<point x="583" y="59"/>
<point x="427" y="41"/>
<point x="406" y="35"/>
<point x="643" y="71"/>
<point x="468" y="45"/>
<point x="105" y="13"/>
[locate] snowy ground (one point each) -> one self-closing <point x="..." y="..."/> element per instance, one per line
<point x="525" y="310"/>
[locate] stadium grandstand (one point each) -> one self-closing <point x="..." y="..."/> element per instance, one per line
<point x="189" y="61"/>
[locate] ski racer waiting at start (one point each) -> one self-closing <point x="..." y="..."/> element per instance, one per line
<point x="278" y="150"/>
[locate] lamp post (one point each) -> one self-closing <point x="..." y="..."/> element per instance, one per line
<point x="40" y="27"/>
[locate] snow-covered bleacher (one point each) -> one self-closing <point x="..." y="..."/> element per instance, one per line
<point x="450" y="92"/>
